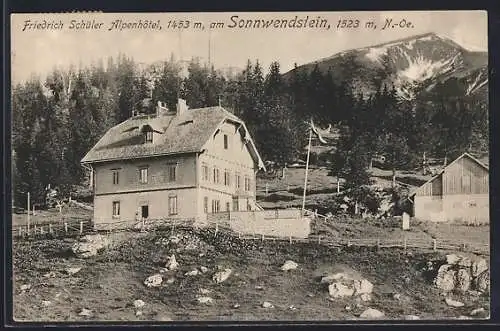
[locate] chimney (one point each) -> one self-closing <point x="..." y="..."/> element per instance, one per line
<point x="181" y="106"/>
<point x="161" y="109"/>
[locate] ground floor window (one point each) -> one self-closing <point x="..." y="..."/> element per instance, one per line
<point x="215" y="206"/>
<point x="145" y="211"/>
<point x="236" y="206"/>
<point x="172" y="205"/>
<point x="228" y="206"/>
<point x="205" y="205"/>
<point x="116" y="208"/>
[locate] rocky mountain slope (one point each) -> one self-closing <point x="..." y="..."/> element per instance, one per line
<point x="412" y="65"/>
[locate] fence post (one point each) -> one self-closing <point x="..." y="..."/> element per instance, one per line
<point x="290" y="240"/>
<point x="319" y="240"/>
<point x="66" y="227"/>
<point x="34" y="230"/>
<point x="267" y="188"/>
<point x="20" y="232"/>
<point x="50" y="228"/>
<point x="464" y="246"/>
<point x="41" y="229"/>
<point x="216" y="228"/>
<point x="348" y="243"/>
<point x="81" y="227"/>
<point x="434" y="244"/>
<point x="405" y="244"/>
<point x="262" y="237"/>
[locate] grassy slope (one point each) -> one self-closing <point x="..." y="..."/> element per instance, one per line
<point x="111" y="281"/>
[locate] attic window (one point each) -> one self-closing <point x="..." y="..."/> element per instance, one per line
<point x="147" y="131"/>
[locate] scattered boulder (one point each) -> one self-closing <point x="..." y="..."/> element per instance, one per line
<point x="170" y="280"/>
<point x="205" y="291"/>
<point x="479" y="266"/>
<point x="452" y="259"/>
<point x="85" y="312"/>
<point x="203" y="269"/>
<point x="289" y="265"/>
<point x="222" y="276"/>
<point x="482" y="282"/>
<point x="90" y="245"/>
<point x="267" y="304"/>
<point x="339" y="290"/>
<point x="138" y="313"/>
<point x="46" y="303"/>
<point x="153" y="281"/>
<point x="292" y="307"/>
<point x="371" y="313"/>
<point x="174" y="239"/>
<point x="205" y="300"/>
<point x="463" y="280"/>
<point x="396" y="296"/>
<point x="333" y="278"/>
<point x="72" y="271"/>
<point x="172" y="263"/>
<point x="477" y="311"/>
<point x="139" y="303"/>
<point x="453" y="303"/>
<point x="194" y="272"/>
<point x="25" y="287"/>
<point x="365" y="297"/>
<point x="445" y="279"/>
<point x="362" y="286"/>
<point x="236" y="306"/>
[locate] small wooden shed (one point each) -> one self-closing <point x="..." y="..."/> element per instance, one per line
<point x="460" y="192"/>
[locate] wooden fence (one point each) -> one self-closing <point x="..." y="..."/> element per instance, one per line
<point x="71" y="229"/>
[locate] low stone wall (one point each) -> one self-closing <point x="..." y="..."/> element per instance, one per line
<point x="263" y="223"/>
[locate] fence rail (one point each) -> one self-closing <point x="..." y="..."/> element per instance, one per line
<point x="75" y="228"/>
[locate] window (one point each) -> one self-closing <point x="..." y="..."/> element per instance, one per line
<point x="205" y="205"/>
<point x="216" y="175"/>
<point x="143" y="175"/>
<point x="204" y="172"/>
<point x="236" y="206"/>
<point x="247" y="184"/>
<point x="116" y="208"/>
<point x="249" y="207"/>
<point x="238" y="181"/>
<point x="149" y="136"/>
<point x="227" y="179"/>
<point x="172" y="205"/>
<point x="228" y="206"/>
<point x="215" y="206"/>
<point x="116" y="176"/>
<point x="172" y="172"/>
<point x="145" y="211"/>
<point x="226" y="142"/>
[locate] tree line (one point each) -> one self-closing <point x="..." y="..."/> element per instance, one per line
<point x="58" y="118"/>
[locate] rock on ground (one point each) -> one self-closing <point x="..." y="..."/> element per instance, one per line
<point x="194" y="272"/>
<point x="72" y="271"/>
<point x="222" y="276"/>
<point x="267" y="304"/>
<point x="172" y="263"/>
<point x="453" y="303"/>
<point x="479" y="266"/>
<point x="371" y="313"/>
<point x="153" y="281"/>
<point x="203" y="269"/>
<point x="482" y="282"/>
<point x="463" y="280"/>
<point x="445" y="279"/>
<point x="205" y="300"/>
<point x="363" y="286"/>
<point x="90" y="245"/>
<point x="289" y="265"/>
<point x="477" y="311"/>
<point x="139" y="303"/>
<point x="85" y="312"/>
<point x="339" y="290"/>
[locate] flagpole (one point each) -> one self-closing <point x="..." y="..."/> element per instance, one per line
<point x="307" y="170"/>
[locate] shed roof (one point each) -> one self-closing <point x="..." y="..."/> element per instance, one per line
<point x="177" y="134"/>
<point x="448" y="166"/>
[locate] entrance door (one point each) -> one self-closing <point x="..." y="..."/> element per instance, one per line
<point x="145" y="211"/>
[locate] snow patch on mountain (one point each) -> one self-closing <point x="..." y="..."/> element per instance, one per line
<point x="420" y="68"/>
<point x="476" y="84"/>
<point x="375" y="53"/>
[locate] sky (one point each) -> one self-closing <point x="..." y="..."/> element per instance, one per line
<point x="38" y="51"/>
